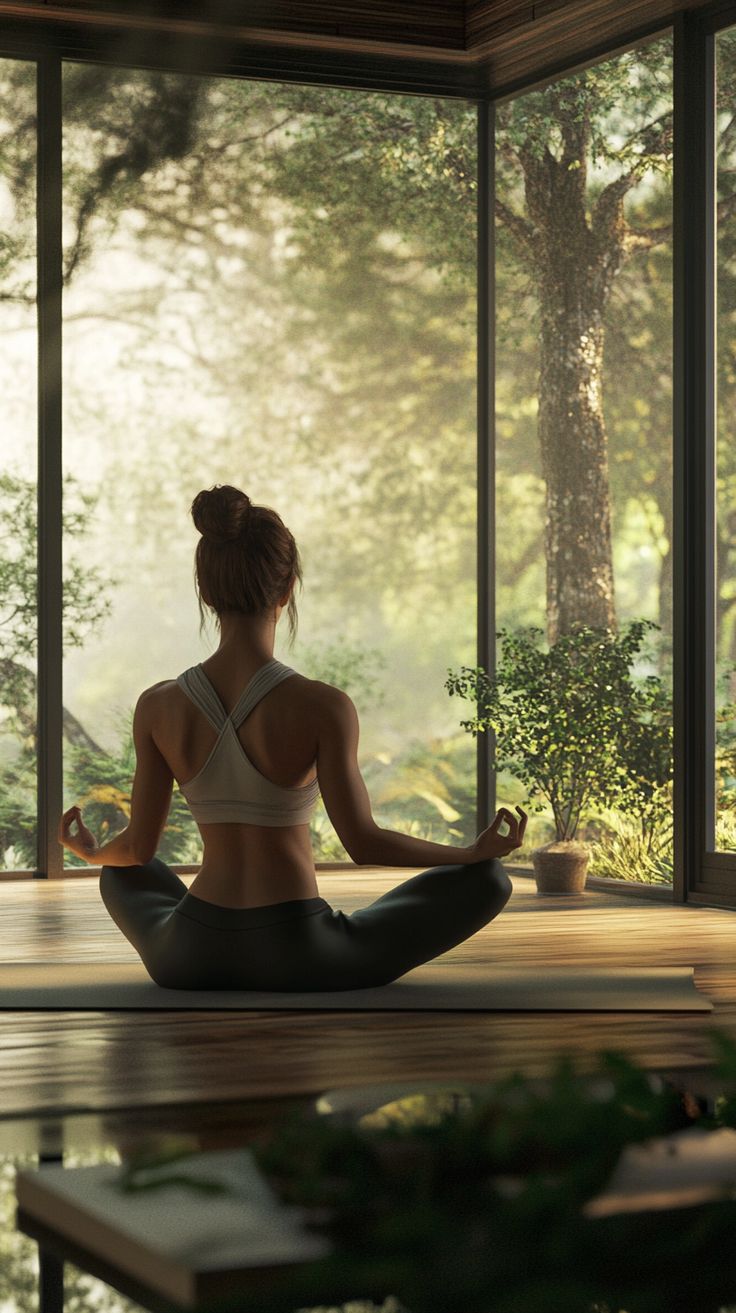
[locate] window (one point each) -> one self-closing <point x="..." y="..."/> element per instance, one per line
<point x="272" y="286"/>
<point x="584" y="389"/>
<point x="275" y="285"/>
<point x="18" y="477"/>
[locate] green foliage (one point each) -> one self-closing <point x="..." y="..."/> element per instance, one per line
<point x="725" y="764"/>
<point x="18" y="169"/>
<point x="350" y="667"/>
<point x="484" y="1210"/>
<point x="18" y="811"/>
<point x="404" y="158"/>
<point x="101" y="783"/>
<point x="86" y="589"/>
<point x="19" y="1268"/>
<point x="632" y="849"/>
<point x="572" y="724"/>
<point x="537" y="121"/>
<point x="726" y="831"/>
<point x="375" y="193"/>
<point x="331" y="212"/>
<point x="120" y="127"/>
<point x="602" y="122"/>
<point x="326" y="846"/>
<point x="433" y="780"/>
<point x="402" y="167"/>
<point x="148" y="1167"/>
<point x="479" y="1204"/>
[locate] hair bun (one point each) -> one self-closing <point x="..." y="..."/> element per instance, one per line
<point x="221" y="514"/>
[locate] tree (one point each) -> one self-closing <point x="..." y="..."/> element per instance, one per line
<point x="552" y="137"/>
<point x="85" y="604"/>
<point x="85" y="601"/>
<point x="361" y="208"/>
<point x="353" y="168"/>
<point x="369" y="317"/>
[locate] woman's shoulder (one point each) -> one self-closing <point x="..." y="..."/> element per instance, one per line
<point x="314" y="695"/>
<point x="317" y="689"/>
<point x="159" y="695"/>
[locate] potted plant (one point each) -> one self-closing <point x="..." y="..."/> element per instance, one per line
<point x="446" y="1212"/>
<point x="573" y="726"/>
<point x="442" y="1207"/>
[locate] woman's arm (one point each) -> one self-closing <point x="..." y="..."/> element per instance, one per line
<point x="149" y="803"/>
<point x="117" y="852"/>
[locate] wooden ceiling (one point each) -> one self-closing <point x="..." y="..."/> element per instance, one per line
<point x="476" y="47"/>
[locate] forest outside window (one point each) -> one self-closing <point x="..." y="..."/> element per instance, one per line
<point x="275" y="285"/>
<point x="272" y="286"/>
<point x="584" y="413"/>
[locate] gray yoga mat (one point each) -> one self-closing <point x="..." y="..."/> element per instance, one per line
<point x="99" y="986"/>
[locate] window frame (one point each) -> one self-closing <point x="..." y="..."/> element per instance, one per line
<point x="705" y="876"/>
<point x="699" y="876"/>
<point x="50" y="854"/>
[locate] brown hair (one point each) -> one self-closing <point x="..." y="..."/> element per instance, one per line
<point x="246" y="559"/>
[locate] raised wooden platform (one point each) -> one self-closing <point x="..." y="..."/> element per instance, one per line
<point x="167" y="1067"/>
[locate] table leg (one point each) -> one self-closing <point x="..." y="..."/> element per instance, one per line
<point x="50" y="1268"/>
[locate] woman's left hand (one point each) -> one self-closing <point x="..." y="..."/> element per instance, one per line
<point x="83" y="843"/>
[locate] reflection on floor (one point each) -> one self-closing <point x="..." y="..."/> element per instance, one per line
<point x="92" y="1084"/>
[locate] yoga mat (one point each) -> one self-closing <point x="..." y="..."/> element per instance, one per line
<point x="99" y="986"/>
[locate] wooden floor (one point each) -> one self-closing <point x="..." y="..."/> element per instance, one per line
<point x="58" y="1064"/>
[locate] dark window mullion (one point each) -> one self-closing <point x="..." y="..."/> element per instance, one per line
<point x="486" y="462"/>
<point x="49" y="736"/>
<point x="699" y="871"/>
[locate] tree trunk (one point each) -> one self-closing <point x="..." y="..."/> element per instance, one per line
<point x="664" y="618"/>
<point x="574" y="449"/>
<point x="575" y="265"/>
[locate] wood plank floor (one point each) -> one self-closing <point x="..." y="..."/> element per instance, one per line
<point x="58" y="1064"/>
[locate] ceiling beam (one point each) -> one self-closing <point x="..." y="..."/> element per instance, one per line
<point x="480" y="47"/>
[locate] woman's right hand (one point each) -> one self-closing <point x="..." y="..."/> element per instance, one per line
<point x="493" y="844"/>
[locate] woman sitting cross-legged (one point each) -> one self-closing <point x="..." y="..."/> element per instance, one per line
<point x="251" y="743"/>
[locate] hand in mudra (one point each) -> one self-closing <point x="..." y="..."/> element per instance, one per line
<point x="491" y="843"/>
<point x="83" y="843"/>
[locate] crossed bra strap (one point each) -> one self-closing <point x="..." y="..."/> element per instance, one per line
<point x="196" y="684"/>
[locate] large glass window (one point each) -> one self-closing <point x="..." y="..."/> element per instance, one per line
<point x="272" y="286"/>
<point x="18" y="466"/>
<point x="584" y="401"/>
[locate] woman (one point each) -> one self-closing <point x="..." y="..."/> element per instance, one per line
<point x="251" y="743"/>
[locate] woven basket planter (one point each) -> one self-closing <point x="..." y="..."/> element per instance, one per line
<point x="561" y="867"/>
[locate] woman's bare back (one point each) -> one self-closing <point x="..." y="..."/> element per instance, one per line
<point x="248" y="865"/>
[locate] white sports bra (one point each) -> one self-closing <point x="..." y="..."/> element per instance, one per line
<point x="228" y="788"/>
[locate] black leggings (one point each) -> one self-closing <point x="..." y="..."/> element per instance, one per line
<point x="187" y="943"/>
